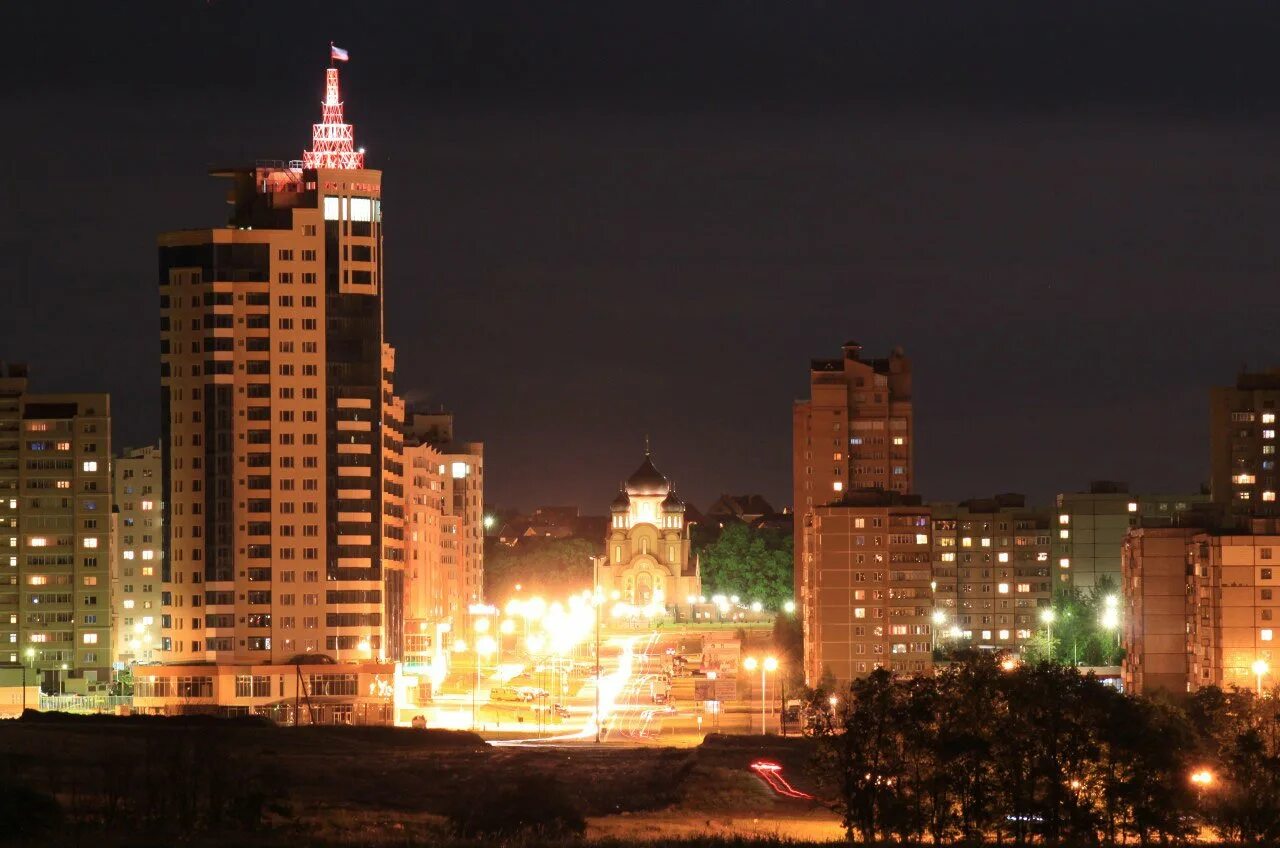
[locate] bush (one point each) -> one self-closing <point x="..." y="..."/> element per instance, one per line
<point x="26" y="814"/>
<point x="529" y="806"/>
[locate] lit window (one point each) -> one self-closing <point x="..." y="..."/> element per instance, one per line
<point x="1003" y="556"/>
<point x="986" y="634"/>
<point x="1268" y="434"/>
<point x="859" y="612"/>
<point x="949" y="556"/>
<point x="148" y="620"/>
<point x="1268" y="496"/>
<point x="966" y="542"/>
<point x="1024" y="587"/>
<point x="90" y="580"/>
<point x="64" y="484"/>
<point x="128" y="604"/>
<point x="127" y="555"/>
<point x="37" y="542"/>
<point x="1133" y="506"/>
<point x="1042" y="556"/>
<point x="1064" y="519"/>
<point x="1065" y="562"/>
<point x="838" y="486"/>
<point x="37" y="580"/>
<point x="1004" y="634"/>
<point x="148" y="554"/>
<point x="148" y="571"/>
<point x="1244" y="479"/>
<point x="986" y="542"/>
<point x="1064" y="534"/>
<point x="361" y="209"/>
<point x="331" y="207"/>
<point x="89" y="465"/>
<point x="899" y="440"/>
<point x="91" y="542"/>
<point x="922" y="539"/>
<point x="1003" y="588"/>
<point x="147" y="504"/>
<point x="64" y="446"/>
<point x="1265" y="635"/>
<point x="1268" y="418"/>
<point x="91" y="638"/>
<point x="459" y="470"/>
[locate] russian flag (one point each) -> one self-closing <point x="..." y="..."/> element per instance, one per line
<point x="338" y="53"/>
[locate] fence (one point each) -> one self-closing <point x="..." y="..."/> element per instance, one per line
<point x="85" y="703"/>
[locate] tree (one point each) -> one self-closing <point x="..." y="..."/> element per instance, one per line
<point x="755" y="565"/>
<point x="550" y="566"/>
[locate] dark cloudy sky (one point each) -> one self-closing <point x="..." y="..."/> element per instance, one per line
<point x="607" y="218"/>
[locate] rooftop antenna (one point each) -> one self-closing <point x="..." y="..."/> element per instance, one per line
<point x="333" y="139"/>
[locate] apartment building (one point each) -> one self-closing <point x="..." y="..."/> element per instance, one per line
<point x="991" y="571"/>
<point x="855" y="431"/>
<point x="1090" y="528"/>
<point x="282" y="443"/>
<point x="1202" y="607"/>
<point x="1242" y="444"/>
<point x="55" y="531"/>
<point x="865" y="596"/>
<point x="138" y="565"/>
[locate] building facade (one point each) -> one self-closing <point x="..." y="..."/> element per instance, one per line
<point x="1090" y="527"/>
<point x="856" y="431"/>
<point x="1202" y="608"/>
<point x="1242" y="444"/>
<point x="284" y="507"/>
<point x="648" y="562"/>
<point x="991" y="571"/>
<point x="865" y="596"/>
<point x="55" y="533"/>
<point x="138" y="567"/>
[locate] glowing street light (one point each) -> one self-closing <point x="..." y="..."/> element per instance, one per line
<point x="1260" y="668"/>
<point x="1202" y="778"/>
<point x="789" y="607"/>
<point x="1047" y="615"/>
<point x="769" y="664"/>
<point x="756" y="606"/>
<point x="1008" y="664"/>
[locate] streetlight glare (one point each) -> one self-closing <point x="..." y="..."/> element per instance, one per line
<point x="486" y="646"/>
<point x="789" y="607"/>
<point x="749" y="663"/>
<point x="1047" y="615"/>
<point x="771" y="664"/>
<point x="939" y="616"/>
<point x="1260" y="667"/>
<point x="1202" y="777"/>
<point x="482" y="625"/>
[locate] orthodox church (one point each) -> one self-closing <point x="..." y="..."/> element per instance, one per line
<point x="648" y="543"/>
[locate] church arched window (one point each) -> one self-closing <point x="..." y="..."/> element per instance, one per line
<point x="644" y="546"/>
<point x="617" y="553"/>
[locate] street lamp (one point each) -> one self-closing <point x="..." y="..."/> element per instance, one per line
<point x="769" y="664"/>
<point x="939" y="618"/>
<point x="1047" y="616"/>
<point x="1260" y="668"/>
<point x="596" y="601"/>
<point x="789" y="607"/>
<point x="31" y="656"/>
<point x="62" y="680"/>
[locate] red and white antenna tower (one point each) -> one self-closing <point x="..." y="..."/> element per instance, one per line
<point x="332" y="140"/>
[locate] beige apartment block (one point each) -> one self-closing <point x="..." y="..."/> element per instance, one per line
<point x="138" y="568"/>
<point x="991" y="571"/>
<point x="282" y="434"/>
<point x="855" y="431"/>
<point x="1201" y="608"/>
<point x="55" y="534"/>
<point x="865" y="594"/>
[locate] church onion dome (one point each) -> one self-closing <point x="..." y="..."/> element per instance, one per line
<point x="672" y="503"/>
<point x="621" y="503"/>
<point x="647" y="480"/>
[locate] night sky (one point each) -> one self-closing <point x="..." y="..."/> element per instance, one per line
<point x="611" y="219"/>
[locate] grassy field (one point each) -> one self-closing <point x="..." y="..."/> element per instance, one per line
<point x="371" y="786"/>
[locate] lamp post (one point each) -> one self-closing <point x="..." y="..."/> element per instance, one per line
<point x="1047" y="616"/>
<point x="769" y="664"/>
<point x="939" y="619"/>
<point x="1260" y="669"/>
<point x="31" y="656"/>
<point x="596" y="600"/>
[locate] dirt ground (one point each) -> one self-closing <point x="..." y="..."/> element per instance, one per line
<point x="347" y="785"/>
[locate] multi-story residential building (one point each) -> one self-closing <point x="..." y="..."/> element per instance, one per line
<point x="55" y="533"/>
<point x="991" y="571"/>
<point x="434" y="600"/>
<point x="282" y="447"/>
<point x="1201" y="607"/>
<point x="865" y="595"/>
<point x="1242" y="444"/>
<point x="463" y="494"/>
<point x="1090" y="527"/>
<point x="138" y="567"/>
<point x="856" y="431"/>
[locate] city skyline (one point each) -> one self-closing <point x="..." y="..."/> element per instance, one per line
<point x="548" y="208"/>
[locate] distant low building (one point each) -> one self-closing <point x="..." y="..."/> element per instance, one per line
<point x="744" y="508"/>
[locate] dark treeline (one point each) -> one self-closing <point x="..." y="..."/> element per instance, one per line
<point x="1041" y="753"/>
